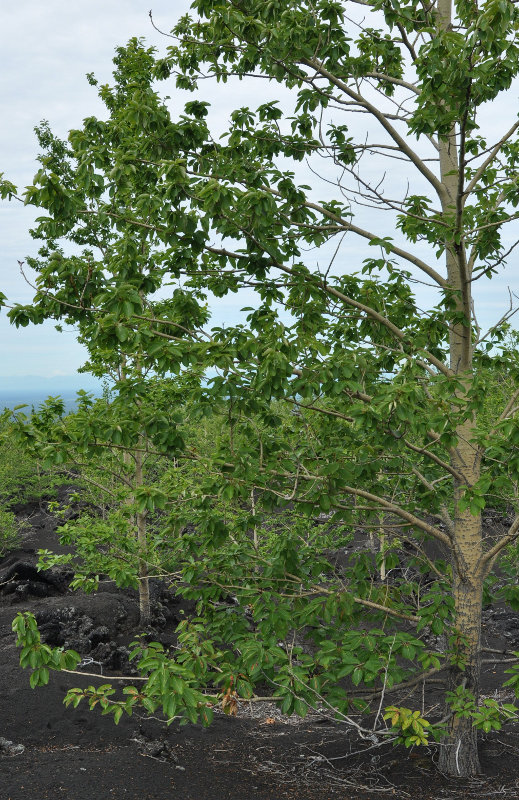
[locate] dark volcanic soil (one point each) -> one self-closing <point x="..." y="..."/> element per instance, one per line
<point x="80" y="755"/>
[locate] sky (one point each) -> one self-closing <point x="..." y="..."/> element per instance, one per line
<point x="47" y="49"/>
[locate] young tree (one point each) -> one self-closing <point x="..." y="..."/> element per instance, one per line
<point x="109" y="449"/>
<point x="388" y="398"/>
<point x="102" y="278"/>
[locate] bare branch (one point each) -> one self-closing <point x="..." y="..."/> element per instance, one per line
<point x="490" y="556"/>
<point x="433" y="457"/>
<point x="391" y="130"/>
<point x="389" y="78"/>
<point x="489" y="159"/>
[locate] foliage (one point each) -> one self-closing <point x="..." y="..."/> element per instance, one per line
<point x="413" y="729"/>
<point x="95" y="447"/>
<point x="40" y="657"/>
<point x="168" y="685"/>
<point x="21" y="479"/>
<point x="10" y="532"/>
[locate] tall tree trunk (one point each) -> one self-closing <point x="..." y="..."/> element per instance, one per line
<point x="459" y="750"/>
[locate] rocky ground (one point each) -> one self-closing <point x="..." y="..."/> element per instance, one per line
<point x="48" y="751"/>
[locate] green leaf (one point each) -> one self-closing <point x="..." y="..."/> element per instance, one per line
<point x="357" y="676"/>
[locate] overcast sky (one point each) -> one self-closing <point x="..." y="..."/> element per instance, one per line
<point x="47" y="49"/>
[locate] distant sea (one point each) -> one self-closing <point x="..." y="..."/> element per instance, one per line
<point x="33" y="390"/>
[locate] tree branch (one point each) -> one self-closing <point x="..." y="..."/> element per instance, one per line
<point x="480" y="171"/>
<point x="490" y="556"/>
<point x="391" y="130"/>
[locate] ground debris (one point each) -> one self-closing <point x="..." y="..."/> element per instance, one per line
<point x="8" y="748"/>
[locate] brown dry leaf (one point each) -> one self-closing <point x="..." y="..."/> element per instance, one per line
<point x="269" y="721"/>
<point x="230" y="703"/>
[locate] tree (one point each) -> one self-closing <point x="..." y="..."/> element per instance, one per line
<point x="110" y="449"/>
<point x="388" y="400"/>
<point x="104" y="284"/>
<point x="424" y="72"/>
